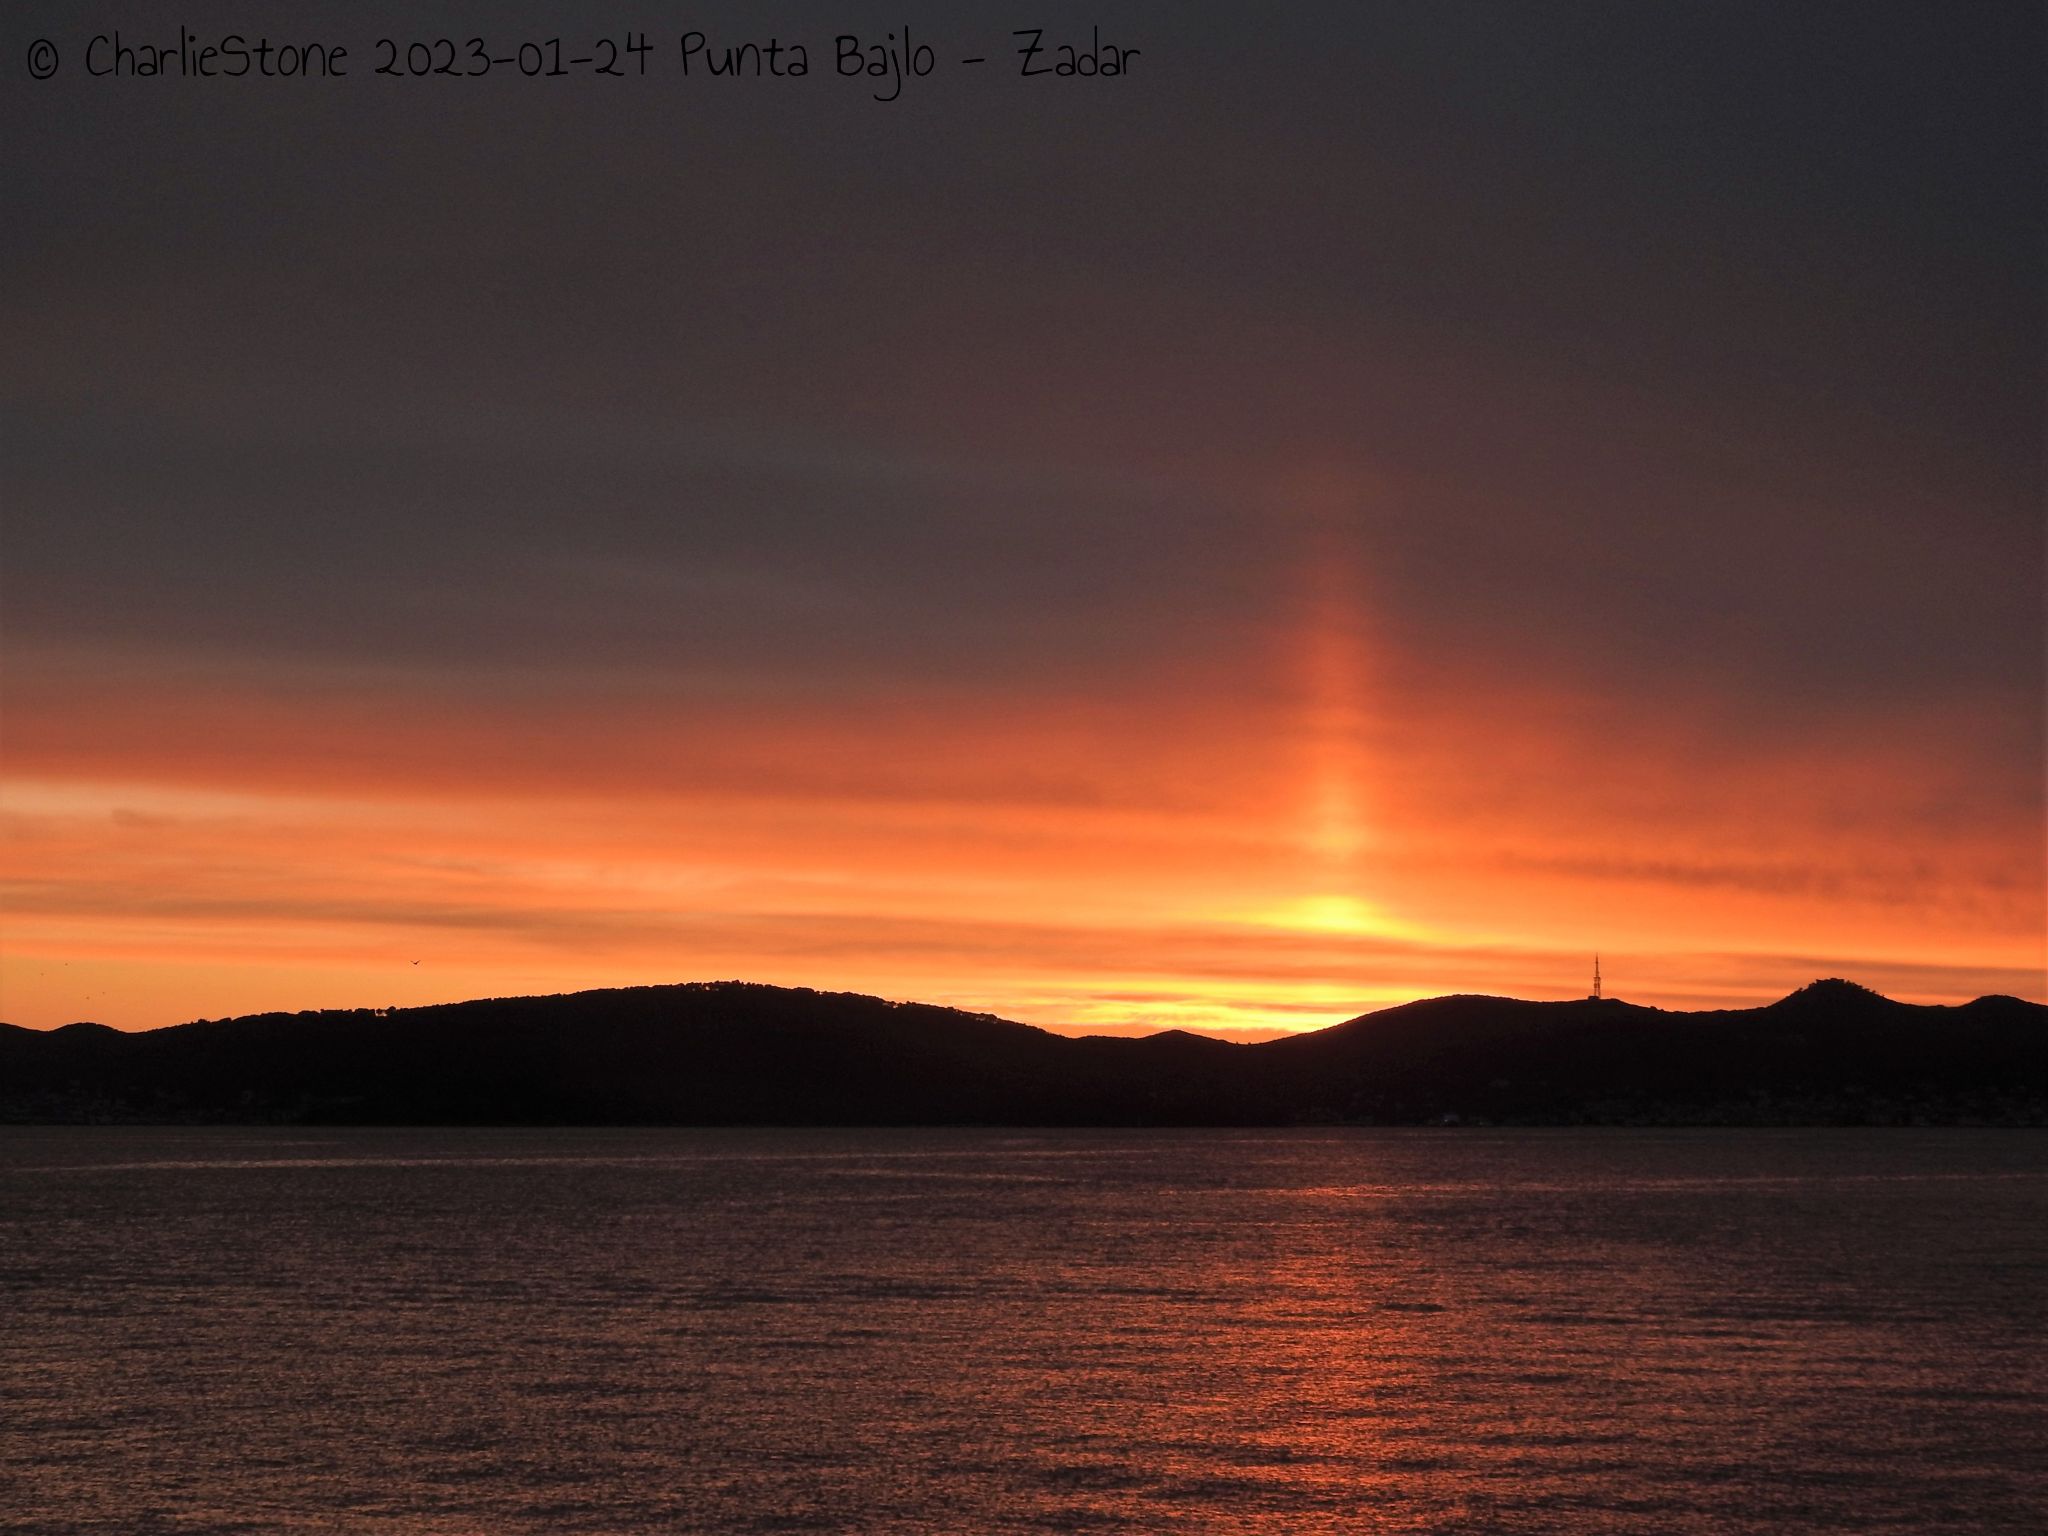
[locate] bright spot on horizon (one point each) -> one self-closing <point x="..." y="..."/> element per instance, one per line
<point x="1335" y="913"/>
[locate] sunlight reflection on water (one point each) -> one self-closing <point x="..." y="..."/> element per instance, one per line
<point x="947" y="1331"/>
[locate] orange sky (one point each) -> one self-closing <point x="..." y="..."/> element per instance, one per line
<point x="1249" y="842"/>
<point x="1389" y="501"/>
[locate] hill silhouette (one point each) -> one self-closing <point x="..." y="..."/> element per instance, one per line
<point x="737" y="1053"/>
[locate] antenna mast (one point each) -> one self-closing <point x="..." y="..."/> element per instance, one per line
<point x="1596" y="978"/>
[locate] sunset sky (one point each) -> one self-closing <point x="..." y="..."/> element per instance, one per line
<point x="1381" y="501"/>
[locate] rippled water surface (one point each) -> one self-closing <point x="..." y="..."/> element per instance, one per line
<point x="965" y="1331"/>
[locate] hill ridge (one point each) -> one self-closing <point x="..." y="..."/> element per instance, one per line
<point x="738" y="1052"/>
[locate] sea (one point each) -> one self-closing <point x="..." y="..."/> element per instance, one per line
<point x="963" y="1331"/>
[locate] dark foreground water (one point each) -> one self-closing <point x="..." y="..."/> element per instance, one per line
<point x="960" y="1332"/>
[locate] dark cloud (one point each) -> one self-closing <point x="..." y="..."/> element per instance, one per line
<point x="1703" y="338"/>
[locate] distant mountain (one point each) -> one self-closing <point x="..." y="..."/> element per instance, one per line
<point x="734" y="1053"/>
